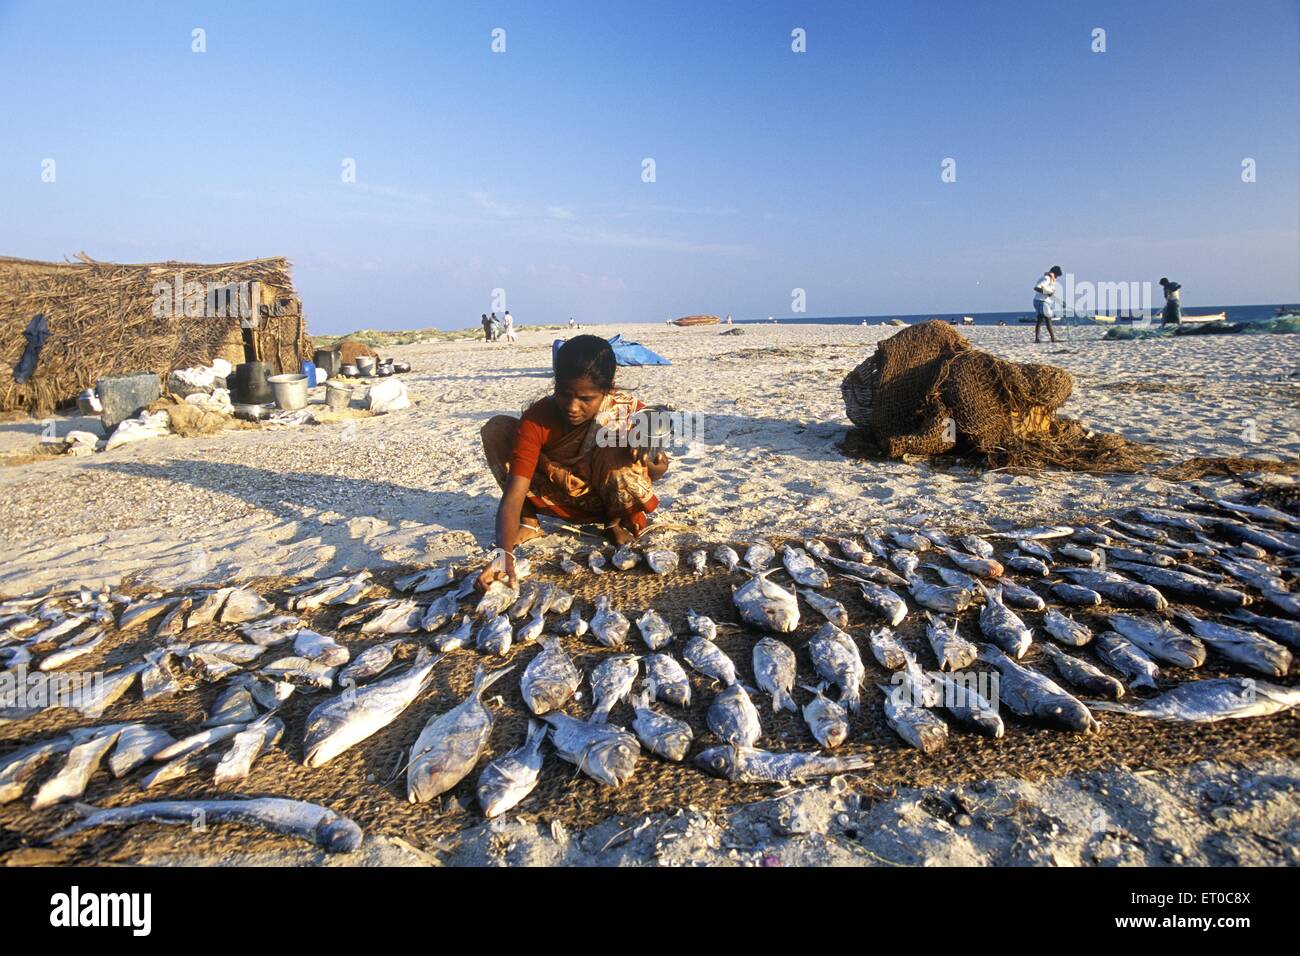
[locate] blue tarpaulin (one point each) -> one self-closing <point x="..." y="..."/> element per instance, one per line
<point x="625" y="353"/>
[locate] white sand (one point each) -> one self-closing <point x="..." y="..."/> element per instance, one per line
<point x="412" y="486"/>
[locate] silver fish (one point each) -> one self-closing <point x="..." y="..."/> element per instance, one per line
<point x="365" y="611"/>
<point x="962" y="699"/>
<point x="910" y="540"/>
<point x="1117" y="588"/>
<point x="146" y="610"/>
<point x="749" y="765"/>
<point x="1025" y="564"/>
<point x="1162" y="641"/>
<point x="173" y="622"/>
<point x="851" y="549"/>
<point x="727" y="557"/>
<point x="953" y="578"/>
<point x="659" y="733"/>
<point x="243" y="605"/>
<point x="496" y="600"/>
<point x="1034" y="549"/>
<point x="272" y="630"/>
<point x="1244" y="647"/>
<point x="1000" y="625"/>
<point x="554" y="598"/>
<point x="655" y="631"/>
<point x="946" y="600"/>
<point x="1020" y="596"/>
<point x="803" y="569"/>
<point x="550" y="678"/>
<point x="1126" y="657"/>
<point x="1076" y="594"/>
<point x="707" y="658"/>
<point x="887" y="649"/>
<point x="1179" y="582"/>
<point x="84" y="643"/>
<point x="1203" y="701"/>
<point x="1142" y="532"/>
<point x="405" y="617"/>
<point x="18" y="768"/>
<point x="611" y="681"/>
<point x="827" y="607"/>
<point x="980" y="567"/>
<point x="450" y="743"/>
<point x="868" y="572"/>
<point x="524" y="603"/>
<point x="83" y="760"/>
<point x="1066" y="629"/>
<point x="427" y="579"/>
<point x="1118" y="553"/>
<point x="906" y="561"/>
<point x="573" y="625"/>
<point x="951" y="650"/>
<point x="109" y="689"/>
<point x="369" y="663"/>
<point x="495" y="635"/>
<point x="609" y="626"/>
<point x="136" y="745"/>
<point x="976" y="545"/>
<point x="837" y="661"/>
<point x="531" y="629"/>
<point x="249" y="745"/>
<point x="1091" y="536"/>
<point x="774" y="671"/>
<point x="884" y="602"/>
<point x="1030" y="694"/>
<point x="827" y="720"/>
<point x="875" y="545"/>
<point x="596" y="561"/>
<point x="1168" y="519"/>
<point x="701" y="624"/>
<point x="817" y="549"/>
<point x="455" y="640"/>
<point x="766" y="605"/>
<point x="234" y="705"/>
<point x="668" y="679"/>
<point x="197" y="742"/>
<point x="625" y="558"/>
<point x="733" y="718"/>
<point x="1083" y="675"/>
<point x="661" y="561"/>
<point x="1074" y="552"/>
<point x="300" y="670"/>
<point x="697" y="561"/>
<point x="604" y="752"/>
<point x="508" y="779"/>
<point x="1039" y="533"/>
<point x="758" y="556"/>
<point x="569" y="566"/>
<point x="1288" y="631"/>
<point x="320" y="648"/>
<point x="233" y="651"/>
<point x="308" y="821"/>
<point x="919" y="727"/>
<point x="936" y="537"/>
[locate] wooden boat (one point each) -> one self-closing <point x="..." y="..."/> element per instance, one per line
<point x="1202" y="319"/>
<point x="688" y="320"/>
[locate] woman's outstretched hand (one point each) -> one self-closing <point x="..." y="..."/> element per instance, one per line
<point x="494" y="572"/>
<point x="657" y="466"/>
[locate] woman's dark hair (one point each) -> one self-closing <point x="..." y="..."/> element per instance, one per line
<point x="586" y="356"/>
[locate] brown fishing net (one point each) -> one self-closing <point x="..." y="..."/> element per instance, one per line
<point x="926" y="391"/>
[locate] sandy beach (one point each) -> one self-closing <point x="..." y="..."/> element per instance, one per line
<point x="411" y="488"/>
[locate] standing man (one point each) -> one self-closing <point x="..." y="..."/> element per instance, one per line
<point x="1173" y="302"/>
<point x="1044" y="291"/>
<point x="487" y="329"/>
<point x="494" y="327"/>
<point x="508" y="326"/>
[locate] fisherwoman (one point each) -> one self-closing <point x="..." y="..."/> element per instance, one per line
<point x="563" y="458"/>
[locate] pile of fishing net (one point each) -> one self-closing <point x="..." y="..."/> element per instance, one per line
<point x="927" y="391"/>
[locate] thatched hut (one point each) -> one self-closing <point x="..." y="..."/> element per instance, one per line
<point x="108" y="318"/>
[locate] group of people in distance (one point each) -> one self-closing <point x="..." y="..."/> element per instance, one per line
<point x="1044" y="302"/>
<point x="502" y="328"/>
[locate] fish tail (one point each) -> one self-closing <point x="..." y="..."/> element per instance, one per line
<point x="483" y="679"/>
<point x="781" y="700"/>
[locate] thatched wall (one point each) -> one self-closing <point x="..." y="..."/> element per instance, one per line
<point x="108" y="318"/>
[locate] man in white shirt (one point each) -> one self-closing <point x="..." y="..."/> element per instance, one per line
<point x="508" y="326"/>
<point x="1043" y="294"/>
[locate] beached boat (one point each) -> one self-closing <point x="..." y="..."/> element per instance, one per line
<point x="1201" y="319"/>
<point x="697" y="320"/>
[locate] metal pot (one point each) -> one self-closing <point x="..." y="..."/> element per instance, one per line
<point x="252" y="385"/>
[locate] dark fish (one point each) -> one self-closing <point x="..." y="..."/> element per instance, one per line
<point x="748" y="765"/>
<point x="1030" y="694"/>
<point x="1081" y="674"/>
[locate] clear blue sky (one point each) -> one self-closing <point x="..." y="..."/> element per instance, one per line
<point x="775" y="170"/>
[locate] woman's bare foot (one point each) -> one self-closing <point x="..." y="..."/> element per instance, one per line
<point x="528" y="531"/>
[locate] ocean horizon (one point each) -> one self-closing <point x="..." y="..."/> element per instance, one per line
<point x="1235" y="313"/>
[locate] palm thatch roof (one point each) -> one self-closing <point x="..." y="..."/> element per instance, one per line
<point x="108" y="318"/>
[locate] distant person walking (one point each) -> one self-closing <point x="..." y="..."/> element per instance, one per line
<point x="573" y="323"/>
<point x="1044" y="292"/>
<point x="487" y="329"/>
<point x="495" y="325"/>
<point x="508" y="326"/>
<point x="1173" y="314"/>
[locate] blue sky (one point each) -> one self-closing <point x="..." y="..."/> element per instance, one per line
<point x="775" y="170"/>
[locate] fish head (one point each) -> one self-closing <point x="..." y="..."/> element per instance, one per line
<point x="612" y="758"/>
<point x="338" y="834"/>
<point x="673" y="744"/>
<point x="718" y="761"/>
